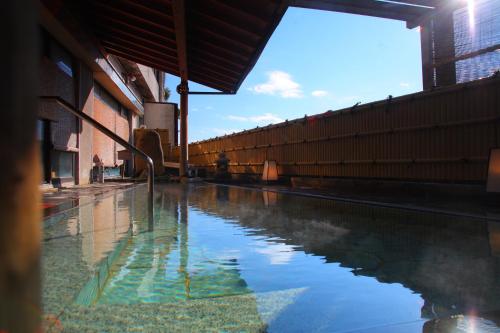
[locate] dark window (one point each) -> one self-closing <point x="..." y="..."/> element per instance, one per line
<point x="125" y="112"/>
<point x="54" y="51"/>
<point x="43" y="137"/>
<point x="63" y="164"/>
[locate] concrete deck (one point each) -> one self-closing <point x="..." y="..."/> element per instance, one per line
<point x="56" y="200"/>
<point x="468" y="201"/>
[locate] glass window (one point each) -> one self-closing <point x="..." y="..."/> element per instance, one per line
<point x="477" y="29"/>
<point x="63" y="164"/>
<point x="54" y="51"/>
<point x="61" y="58"/>
<point x="125" y="113"/>
<point x="104" y="96"/>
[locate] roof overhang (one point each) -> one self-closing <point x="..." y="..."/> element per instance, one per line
<point x="223" y="38"/>
<point x="413" y="12"/>
<point x="215" y="43"/>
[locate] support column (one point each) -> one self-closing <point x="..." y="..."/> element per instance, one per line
<point x="183" y="90"/>
<point x="20" y="172"/>
<point x="444" y="48"/>
<point x="427" y="58"/>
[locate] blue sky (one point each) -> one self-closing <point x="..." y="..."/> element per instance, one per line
<point x="315" y="61"/>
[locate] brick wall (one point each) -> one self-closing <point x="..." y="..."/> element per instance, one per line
<point x="104" y="147"/>
<point x="64" y="125"/>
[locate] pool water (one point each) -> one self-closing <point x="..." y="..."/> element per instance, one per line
<point x="228" y="259"/>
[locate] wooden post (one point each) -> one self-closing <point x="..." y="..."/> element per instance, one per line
<point x="427" y="58"/>
<point x="179" y="13"/>
<point x="183" y="90"/>
<point x="20" y="172"/>
<point x="444" y="48"/>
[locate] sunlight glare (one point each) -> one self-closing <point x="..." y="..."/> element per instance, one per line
<point x="471" y="12"/>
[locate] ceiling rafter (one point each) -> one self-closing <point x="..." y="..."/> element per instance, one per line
<point x="163" y="33"/>
<point x="138" y="55"/>
<point x="138" y="60"/>
<point x="132" y="47"/>
<point x="389" y="10"/>
<point x="113" y="10"/>
<point x="110" y="32"/>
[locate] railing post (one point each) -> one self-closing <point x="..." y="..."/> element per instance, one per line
<point x="151" y="191"/>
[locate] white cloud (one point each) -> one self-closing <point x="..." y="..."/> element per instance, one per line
<point x="319" y="93"/>
<point x="209" y="108"/>
<point x="266" y="118"/>
<point x="281" y="83"/>
<point x="277" y="253"/>
<point x="404" y="84"/>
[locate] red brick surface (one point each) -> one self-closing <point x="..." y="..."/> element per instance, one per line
<point x="104" y="147"/>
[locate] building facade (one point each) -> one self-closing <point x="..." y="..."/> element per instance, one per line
<point x="108" y="88"/>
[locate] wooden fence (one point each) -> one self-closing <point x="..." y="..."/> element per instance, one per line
<point x="442" y="135"/>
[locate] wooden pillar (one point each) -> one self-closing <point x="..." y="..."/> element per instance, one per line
<point x="183" y="90"/>
<point x="444" y="48"/>
<point x="20" y="172"/>
<point x="427" y="58"/>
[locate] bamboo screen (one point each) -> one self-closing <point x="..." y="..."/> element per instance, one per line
<point x="442" y="135"/>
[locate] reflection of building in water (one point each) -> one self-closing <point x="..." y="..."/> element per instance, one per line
<point x="438" y="256"/>
<point x="160" y="266"/>
<point x="102" y="226"/>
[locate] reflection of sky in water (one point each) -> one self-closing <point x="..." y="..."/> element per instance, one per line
<point x="311" y="265"/>
<point x="278" y="254"/>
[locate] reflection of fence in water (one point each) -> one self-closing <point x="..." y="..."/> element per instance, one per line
<point x="442" y="257"/>
<point x="442" y="135"/>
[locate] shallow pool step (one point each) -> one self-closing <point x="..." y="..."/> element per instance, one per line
<point x="93" y="288"/>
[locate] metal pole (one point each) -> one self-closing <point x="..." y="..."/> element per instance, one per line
<point x="183" y="90"/>
<point x="119" y="140"/>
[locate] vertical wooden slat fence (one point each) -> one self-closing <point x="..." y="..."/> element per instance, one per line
<point x="443" y="135"/>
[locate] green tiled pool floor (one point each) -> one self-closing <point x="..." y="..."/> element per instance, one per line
<point x="226" y="259"/>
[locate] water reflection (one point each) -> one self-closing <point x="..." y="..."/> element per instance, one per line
<point x="453" y="263"/>
<point x="222" y="258"/>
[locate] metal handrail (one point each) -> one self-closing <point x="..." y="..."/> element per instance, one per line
<point x="119" y="140"/>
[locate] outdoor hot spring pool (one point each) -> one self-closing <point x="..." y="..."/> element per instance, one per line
<point x="227" y="259"/>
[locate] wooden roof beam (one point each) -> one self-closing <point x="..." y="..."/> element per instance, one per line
<point x="425" y="3"/>
<point x="210" y="20"/>
<point x="131" y="25"/>
<point x="115" y="11"/>
<point x="179" y="12"/>
<point x="142" y="61"/>
<point x="364" y="7"/>
<point x="436" y="13"/>
<point x="211" y="47"/>
<point x="216" y="73"/>
<point x="112" y="32"/>
<point x="235" y="12"/>
<point x="138" y="48"/>
<point x="163" y="12"/>
<point x="124" y="52"/>
<point x="145" y="47"/>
